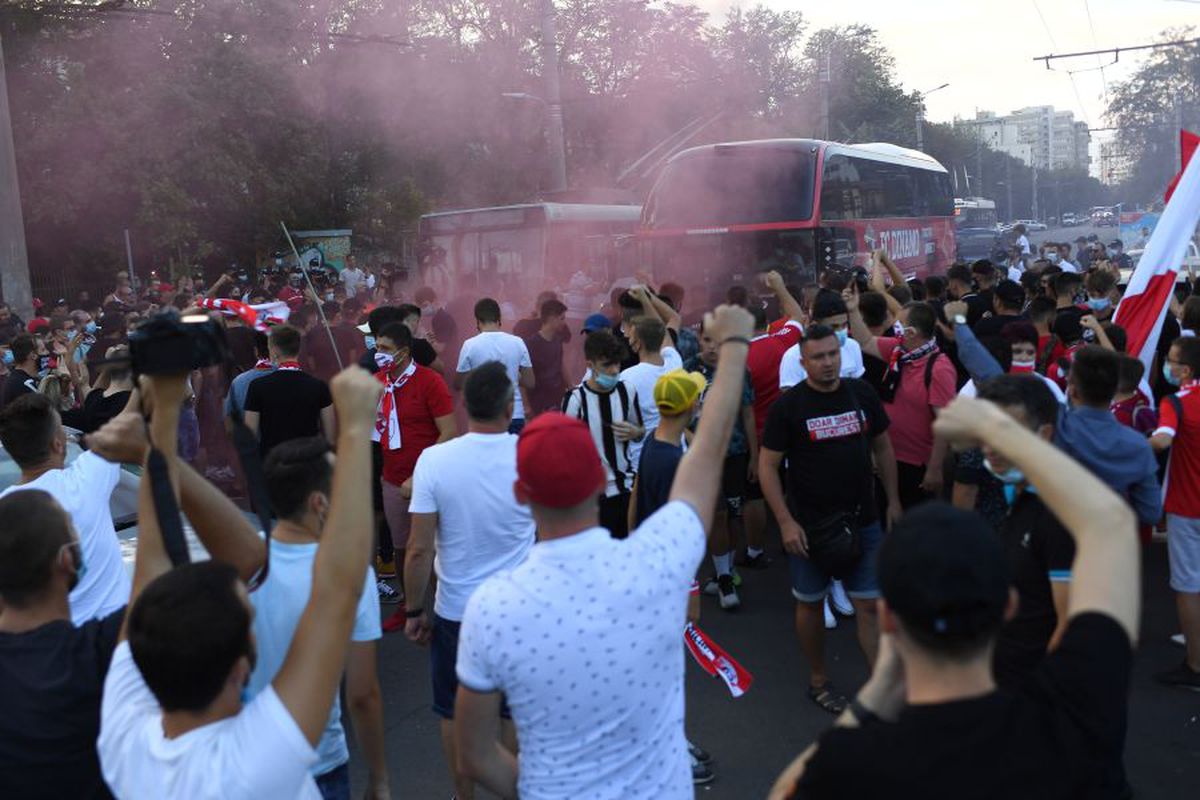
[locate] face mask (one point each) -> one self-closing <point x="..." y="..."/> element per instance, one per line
<point x="370" y="342"/>
<point x="1169" y="376"/>
<point x="1098" y="303"/>
<point x="605" y="381"/>
<point x="91" y="327"/>
<point x="1019" y="367"/>
<point x="384" y="360"/>
<point x="1010" y="477"/>
<point x="1052" y="258"/>
<point x="841" y="337"/>
<point x="82" y="352"/>
<point x="8" y="357"/>
<point x="329" y="295"/>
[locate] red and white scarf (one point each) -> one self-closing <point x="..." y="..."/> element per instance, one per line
<point x="289" y="366"/>
<point x="715" y="661"/>
<point x="263" y="364"/>
<point x="387" y="421"/>
<point x="258" y="317"/>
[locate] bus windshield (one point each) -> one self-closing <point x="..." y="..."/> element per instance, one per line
<point x="732" y="185"/>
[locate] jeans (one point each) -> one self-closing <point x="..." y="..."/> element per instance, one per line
<point x="335" y="784"/>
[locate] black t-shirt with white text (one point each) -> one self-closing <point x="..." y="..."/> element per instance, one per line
<point x="1058" y="736"/>
<point x="828" y="453"/>
<point x="289" y="404"/>
<point x="51" y="681"/>
<point x="17" y="383"/>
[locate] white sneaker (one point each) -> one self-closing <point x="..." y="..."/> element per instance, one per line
<point x="830" y="619"/>
<point x="1179" y="640"/>
<point x="840" y="602"/>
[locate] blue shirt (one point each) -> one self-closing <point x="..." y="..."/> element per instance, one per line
<point x="1117" y="455"/>
<point x="656" y="473"/>
<point x="279" y="604"/>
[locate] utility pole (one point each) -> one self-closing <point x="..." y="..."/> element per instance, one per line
<point x="554" y="114"/>
<point x="1034" y="213"/>
<point x="14" y="260"/>
<point x="920" y="129"/>
<point x="1008" y="186"/>
<point x="1175" y="133"/>
<point x="824" y="77"/>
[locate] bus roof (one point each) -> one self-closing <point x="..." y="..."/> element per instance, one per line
<point x="876" y="151"/>
<point x="556" y="212"/>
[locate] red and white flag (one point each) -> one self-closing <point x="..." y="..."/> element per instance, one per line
<point x="259" y="317"/>
<point x="1144" y="306"/>
<point x="713" y="659"/>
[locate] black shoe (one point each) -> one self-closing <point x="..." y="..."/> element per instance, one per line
<point x="828" y="698"/>
<point x="728" y="593"/>
<point x="699" y="754"/>
<point x="1182" y="676"/>
<point x="701" y="774"/>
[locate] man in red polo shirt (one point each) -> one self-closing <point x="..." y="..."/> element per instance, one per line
<point x="415" y="412"/>
<point x="766" y="352"/>
<point x="1179" y="430"/>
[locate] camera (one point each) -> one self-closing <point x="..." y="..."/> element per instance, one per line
<point x="167" y="344"/>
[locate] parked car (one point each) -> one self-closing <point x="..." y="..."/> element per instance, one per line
<point x="1032" y="225"/>
<point x="1069" y="220"/>
<point x="1191" y="263"/>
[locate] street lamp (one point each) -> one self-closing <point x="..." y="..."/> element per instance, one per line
<point x="921" y="115"/>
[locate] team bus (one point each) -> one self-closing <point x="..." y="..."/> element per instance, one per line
<point x="975" y="212"/>
<point x="512" y="253"/>
<point x="721" y="213"/>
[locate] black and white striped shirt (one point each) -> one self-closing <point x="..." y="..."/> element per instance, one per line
<point x="600" y="410"/>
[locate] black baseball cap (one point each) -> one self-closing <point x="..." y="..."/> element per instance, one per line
<point x="944" y="571"/>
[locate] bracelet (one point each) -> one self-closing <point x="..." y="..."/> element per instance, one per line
<point x="413" y="613"/>
<point x="736" y="340"/>
<point x="863" y="714"/>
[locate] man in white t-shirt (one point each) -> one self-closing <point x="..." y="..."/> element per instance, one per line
<point x="299" y="479"/>
<point x="172" y="719"/>
<point x="493" y="344"/>
<point x="584" y="639"/>
<point x="464" y="510"/>
<point x="32" y="433"/>
<point x="1022" y="241"/>
<point x="647" y="336"/>
<point x="352" y="277"/>
<point x="828" y="309"/>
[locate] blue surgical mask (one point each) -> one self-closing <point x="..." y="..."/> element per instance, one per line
<point x="8" y="358"/>
<point x="370" y="340"/>
<point x="1098" y="303"/>
<point x="841" y="337"/>
<point x="1010" y="477"/>
<point x="91" y="327"/>
<point x="605" y="381"/>
<point x="1168" y="375"/>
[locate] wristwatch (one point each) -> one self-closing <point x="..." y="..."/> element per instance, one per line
<point x="959" y="319"/>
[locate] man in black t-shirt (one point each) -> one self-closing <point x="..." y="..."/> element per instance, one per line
<point x="288" y="403"/>
<point x="1039" y="549"/>
<point x="319" y="357"/>
<point x="829" y="429"/>
<point x="23" y="377"/>
<point x="930" y="721"/>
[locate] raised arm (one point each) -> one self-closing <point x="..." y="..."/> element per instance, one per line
<point x="308" y="680"/>
<point x="858" y="327"/>
<point x="788" y="304"/>
<point x="1105" y="575"/>
<point x="698" y="477"/>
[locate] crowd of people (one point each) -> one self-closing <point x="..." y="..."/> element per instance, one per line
<point x="965" y="465"/>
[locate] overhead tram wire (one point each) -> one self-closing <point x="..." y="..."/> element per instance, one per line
<point x="1054" y="44"/>
<point x="1087" y="9"/>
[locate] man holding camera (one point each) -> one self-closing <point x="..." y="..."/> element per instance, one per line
<point x="173" y="723"/>
<point x="829" y="429"/>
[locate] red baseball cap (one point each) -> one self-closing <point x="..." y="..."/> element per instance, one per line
<point x="557" y="462"/>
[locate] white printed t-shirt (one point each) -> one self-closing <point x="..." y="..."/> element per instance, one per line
<point x="279" y="604"/>
<point x="585" y="639"/>
<point x="792" y="372"/>
<point x="509" y="350"/>
<point x="83" y="489"/>
<point x="468" y="483"/>
<point x="641" y="378"/>
<point x="259" y="753"/>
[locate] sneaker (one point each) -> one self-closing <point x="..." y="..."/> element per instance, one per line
<point x="830" y="619"/>
<point x="699" y="753"/>
<point x="1179" y="640"/>
<point x="840" y="602"/>
<point x="701" y="774"/>
<point x="1182" y="676"/>
<point x="711" y="589"/>
<point x="386" y="593"/>
<point x="385" y="569"/>
<point x="760" y="561"/>
<point x="729" y="595"/>
<point x="396" y="621"/>
<point x="828" y="698"/>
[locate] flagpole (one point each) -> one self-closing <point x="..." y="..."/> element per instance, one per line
<point x="313" y="290"/>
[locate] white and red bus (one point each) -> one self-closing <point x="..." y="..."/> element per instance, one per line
<point x="721" y="213"/>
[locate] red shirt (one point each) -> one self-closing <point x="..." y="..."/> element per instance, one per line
<point x="293" y="298"/>
<point x="766" y="352"/>
<point x="1058" y="352"/>
<point x="420" y="401"/>
<point x="1135" y="412"/>
<point x="1183" y="474"/>
<point x="911" y="410"/>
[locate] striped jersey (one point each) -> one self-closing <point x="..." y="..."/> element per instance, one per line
<point x="599" y="410"/>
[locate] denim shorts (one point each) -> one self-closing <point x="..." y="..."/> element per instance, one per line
<point x="810" y="584"/>
<point x="443" y="655"/>
<point x="1183" y="553"/>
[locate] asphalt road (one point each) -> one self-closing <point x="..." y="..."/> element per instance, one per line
<point x="753" y="737"/>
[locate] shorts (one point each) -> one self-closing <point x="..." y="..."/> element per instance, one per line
<point x="1183" y="552"/>
<point x="734" y="483"/>
<point x="443" y="655"/>
<point x="810" y="584"/>
<point x="395" y="511"/>
<point x="335" y="784"/>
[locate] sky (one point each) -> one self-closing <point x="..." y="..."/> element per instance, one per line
<point x="985" y="48"/>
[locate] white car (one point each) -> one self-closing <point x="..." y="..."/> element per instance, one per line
<point x="1032" y="225"/>
<point x="1191" y="263"/>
